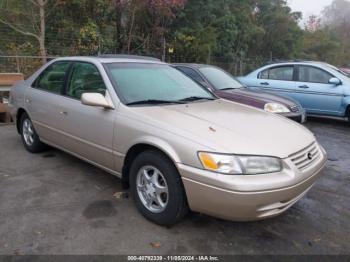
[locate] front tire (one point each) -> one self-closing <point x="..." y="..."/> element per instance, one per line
<point x="30" y="138"/>
<point x="157" y="188"/>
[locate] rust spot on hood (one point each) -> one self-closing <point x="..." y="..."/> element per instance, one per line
<point x="212" y="129"/>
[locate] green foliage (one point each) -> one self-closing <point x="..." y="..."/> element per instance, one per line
<point x="203" y="31"/>
<point x="322" y="45"/>
<point x="282" y="36"/>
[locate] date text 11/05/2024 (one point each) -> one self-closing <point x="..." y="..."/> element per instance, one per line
<point x="173" y="258"/>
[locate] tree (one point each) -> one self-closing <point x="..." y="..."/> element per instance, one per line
<point x="26" y="18"/>
<point x="313" y="24"/>
<point x="141" y="25"/>
<point x="321" y="45"/>
<point x="336" y="20"/>
<point x="222" y="30"/>
<point x="282" y="36"/>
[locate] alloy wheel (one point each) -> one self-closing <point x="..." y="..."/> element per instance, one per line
<point x="28" y="132"/>
<point x="152" y="189"/>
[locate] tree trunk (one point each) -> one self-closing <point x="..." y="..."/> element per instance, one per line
<point x="41" y="37"/>
<point x="131" y="28"/>
<point x="119" y="45"/>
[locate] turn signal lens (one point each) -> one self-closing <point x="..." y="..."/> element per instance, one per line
<point x="220" y="163"/>
<point x="239" y="164"/>
<point x="207" y="161"/>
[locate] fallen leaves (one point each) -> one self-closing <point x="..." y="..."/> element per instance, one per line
<point x="119" y="195"/>
<point x="156" y="244"/>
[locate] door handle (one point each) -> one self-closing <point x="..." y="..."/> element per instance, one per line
<point x="304" y="86"/>
<point x="264" y="83"/>
<point x="64" y="113"/>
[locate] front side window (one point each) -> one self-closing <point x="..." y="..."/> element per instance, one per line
<point x="219" y="78"/>
<point x="85" y="78"/>
<point x="313" y="75"/>
<point x="284" y="73"/>
<point x="153" y="82"/>
<point x="53" y="77"/>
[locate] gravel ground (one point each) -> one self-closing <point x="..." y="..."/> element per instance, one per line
<point x="53" y="203"/>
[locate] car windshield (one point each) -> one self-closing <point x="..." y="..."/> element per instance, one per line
<point x="220" y="79"/>
<point x="343" y="72"/>
<point x="143" y="84"/>
<point x="339" y="70"/>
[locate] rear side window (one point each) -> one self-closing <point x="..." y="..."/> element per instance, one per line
<point x="313" y="75"/>
<point x="85" y="78"/>
<point x="284" y="73"/>
<point x="191" y="73"/>
<point x="52" y="78"/>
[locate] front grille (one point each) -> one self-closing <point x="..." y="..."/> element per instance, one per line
<point x="305" y="157"/>
<point x="294" y="109"/>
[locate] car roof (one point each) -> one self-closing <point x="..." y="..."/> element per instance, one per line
<point x="193" y="65"/>
<point x="299" y="62"/>
<point x="106" y="59"/>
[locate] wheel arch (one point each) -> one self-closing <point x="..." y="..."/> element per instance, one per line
<point x="347" y="111"/>
<point x="345" y="107"/>
<point x="19" y="114"/>
<point x="140" y="147"/>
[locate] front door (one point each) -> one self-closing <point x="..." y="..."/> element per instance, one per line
<point x="315" y="93"/>
<point x="88" y="130"/>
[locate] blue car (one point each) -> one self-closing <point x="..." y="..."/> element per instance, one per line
<point x="322" y="89"/>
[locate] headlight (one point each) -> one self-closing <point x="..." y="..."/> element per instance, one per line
<point x="276" y="108"/>
<point x="239" y="165"/>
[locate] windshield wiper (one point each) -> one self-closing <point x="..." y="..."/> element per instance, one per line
<point x="153" y="102"/>
<point x="231" y="88"/>
<point x="195" y="98"/>
<point x="227" y="88"/>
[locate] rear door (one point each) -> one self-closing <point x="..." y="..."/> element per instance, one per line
<point x="88" y="131"/>
<point x="278" y="80"/>
<point x="43" y="101"/>
<point x="315" y="93"/>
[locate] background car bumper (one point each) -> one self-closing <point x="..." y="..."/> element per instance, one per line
<point x="239" y="205"/>
<point x="298" y="117"/>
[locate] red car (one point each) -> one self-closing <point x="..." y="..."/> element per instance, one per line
<point x="224" y="85"/>
<point x="346" y="70"/>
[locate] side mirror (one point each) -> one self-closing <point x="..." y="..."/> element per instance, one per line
<point x="334" y="81"/>
<point x="95" y="99"/>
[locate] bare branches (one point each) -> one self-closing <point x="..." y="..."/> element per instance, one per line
<point x="51" y="8"/>
<point x="34" y="2"/>
<point x="17" y="29"/>
<point x="25" y="21"/>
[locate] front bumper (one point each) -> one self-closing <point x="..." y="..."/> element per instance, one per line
<point x="299" y="117"/>
<point x="234" y="197"/>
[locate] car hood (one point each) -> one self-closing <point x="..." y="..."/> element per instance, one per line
<point x="254" y="98"/>
<point x="229" y="127"/>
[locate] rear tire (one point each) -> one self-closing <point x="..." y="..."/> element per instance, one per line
<point x="157" y="188"/>
<point x="30" y="138"/>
